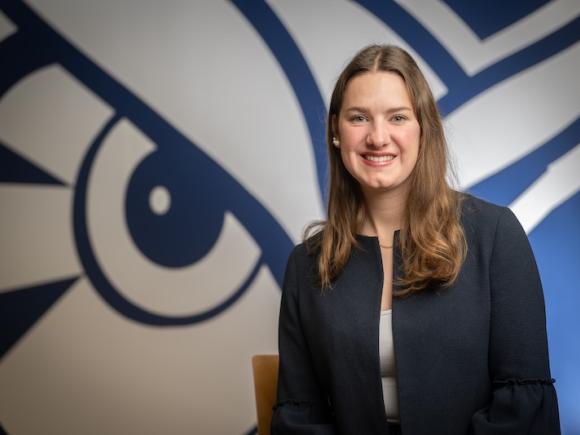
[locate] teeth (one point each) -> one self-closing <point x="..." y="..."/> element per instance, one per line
<point x="380" y="158"/>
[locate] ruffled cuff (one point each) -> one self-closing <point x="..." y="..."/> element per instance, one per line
<point x="530" y="381"/>
<point x="519" y="406"/>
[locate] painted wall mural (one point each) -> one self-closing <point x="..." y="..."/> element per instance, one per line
<point x="158" y="161"/>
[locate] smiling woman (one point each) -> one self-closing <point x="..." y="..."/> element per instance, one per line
<point x="388" y="147"/>
<point x="413" y="308"/>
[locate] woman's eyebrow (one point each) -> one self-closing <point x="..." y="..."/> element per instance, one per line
<point x="356" y="109"/>
<point x="391" y="110"/>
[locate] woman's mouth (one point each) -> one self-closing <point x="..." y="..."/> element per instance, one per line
<point x="378" y="159"/>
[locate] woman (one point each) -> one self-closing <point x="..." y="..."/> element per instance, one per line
<point x="465" y="351"/>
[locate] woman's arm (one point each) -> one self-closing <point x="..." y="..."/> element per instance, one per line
<point x="523" y="399"/>
<point x="301" y="407"/>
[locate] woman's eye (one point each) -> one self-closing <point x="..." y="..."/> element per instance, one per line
<point x="358" y="118"/>
<point x="399" y="118"/>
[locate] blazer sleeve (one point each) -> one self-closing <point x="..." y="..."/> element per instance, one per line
<point x="301" y="407"/>
<point x="523" y="398"/>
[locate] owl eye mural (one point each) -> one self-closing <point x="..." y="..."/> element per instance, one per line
<point x="177" y="244"/>
<point x="172" y="211"/>
<point x="205" y="205"/>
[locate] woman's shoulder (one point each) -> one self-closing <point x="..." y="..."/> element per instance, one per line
<point x="311" y="240"/>
<point x="477" y="208"/>
<point x="486" y="219"/>
<point x="306" y="250"/>
<point x="479" y="212"/>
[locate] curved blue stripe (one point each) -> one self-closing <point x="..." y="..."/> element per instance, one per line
<point x="422" y="41"/>
<point x="294" y="65"/>
<point x="507" y="184"/>
<point x="546" y="47"/>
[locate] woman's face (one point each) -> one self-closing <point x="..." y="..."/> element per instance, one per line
<point x="378" y="131"/>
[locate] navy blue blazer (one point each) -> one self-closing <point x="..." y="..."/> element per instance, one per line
<point x="470" y="359"/>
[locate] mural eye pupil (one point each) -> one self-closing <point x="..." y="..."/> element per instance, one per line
<point x="171" y="214"/>
<point x="160" y="200"/>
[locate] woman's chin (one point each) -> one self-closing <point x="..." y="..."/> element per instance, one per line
<point x="381" y="186"/>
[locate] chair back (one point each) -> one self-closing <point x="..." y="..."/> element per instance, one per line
<point x="265" y="369"/>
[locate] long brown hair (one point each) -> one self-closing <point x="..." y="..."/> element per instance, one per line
<point x="431" y="241"/>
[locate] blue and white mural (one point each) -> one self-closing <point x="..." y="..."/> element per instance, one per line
<point x="158" y="161"/>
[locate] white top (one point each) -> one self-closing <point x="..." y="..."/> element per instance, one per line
<point x="387" y="363"/>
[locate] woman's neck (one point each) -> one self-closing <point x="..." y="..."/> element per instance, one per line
<point x="384" y="213"/>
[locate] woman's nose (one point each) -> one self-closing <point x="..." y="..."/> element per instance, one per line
<point x="378" y="135"/>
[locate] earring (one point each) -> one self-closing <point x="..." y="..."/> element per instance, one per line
<point x="335" y="142"/>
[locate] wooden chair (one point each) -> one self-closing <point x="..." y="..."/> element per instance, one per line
<point x="265" y="369"/>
